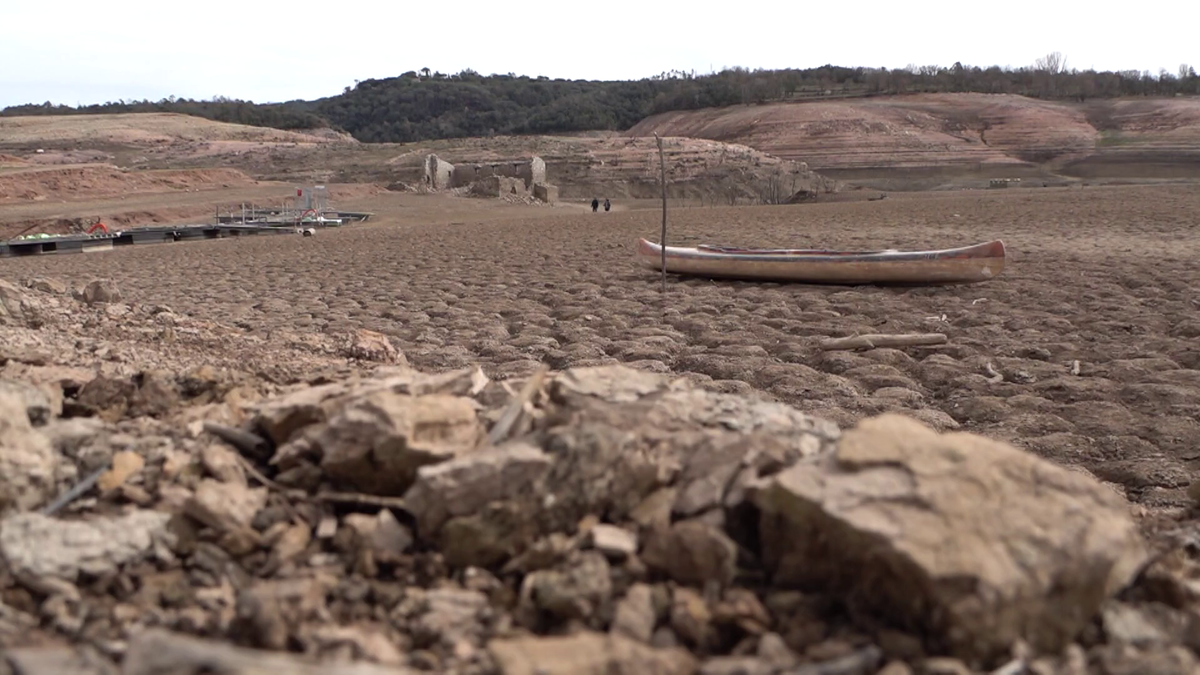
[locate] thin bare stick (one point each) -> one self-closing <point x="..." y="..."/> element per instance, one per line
<point x="662" y="237"/>
<point x="272" y="485"/>
<point x="75" y="492"/>
<point x="245" y="441"/>
<point x="263" y="480"/>
<point x="877" y="341"/>
<point x="361" y="499"/>
<point x="513" y="412"/>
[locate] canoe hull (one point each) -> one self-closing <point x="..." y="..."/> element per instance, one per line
<point x="969" y="264"/>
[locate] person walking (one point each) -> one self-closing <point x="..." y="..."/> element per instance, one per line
<point x="595" y="204"/>
<point x="607" y="205"/>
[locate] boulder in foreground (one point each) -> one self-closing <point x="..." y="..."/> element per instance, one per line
<point x="968" y="541"/>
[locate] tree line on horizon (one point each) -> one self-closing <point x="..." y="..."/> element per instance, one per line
<point x="424" y="105"/>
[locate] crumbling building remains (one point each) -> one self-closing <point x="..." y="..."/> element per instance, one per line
<point x="524" y="177"/>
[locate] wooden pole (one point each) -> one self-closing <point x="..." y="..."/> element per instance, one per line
<point x="876" y="341"/>
<point x="662" y="237"/>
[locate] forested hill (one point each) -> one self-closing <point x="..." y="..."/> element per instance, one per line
<point x="423" y="105"/>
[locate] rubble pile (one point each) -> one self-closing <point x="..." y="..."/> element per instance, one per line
<point x="593" y="520"/>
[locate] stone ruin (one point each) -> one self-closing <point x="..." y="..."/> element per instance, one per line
<point x="438" y="173"/>
<point x="524" y="177"/>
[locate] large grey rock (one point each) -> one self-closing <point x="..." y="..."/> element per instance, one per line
<point x="28" y="463"/>
<point x="378" y="441"/>
<point x="42" y="546"/>
<point x="461" y="486"/>
<point x="14" y="303"/>
<point x="973" y="541"/>
<point x="618" y="434"/>
<point x="281" y="417"/>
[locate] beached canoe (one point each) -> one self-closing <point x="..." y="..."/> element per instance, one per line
<point x="968" y="264"/>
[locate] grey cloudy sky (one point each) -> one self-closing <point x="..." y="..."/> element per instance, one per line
<point x="76" y="51"/>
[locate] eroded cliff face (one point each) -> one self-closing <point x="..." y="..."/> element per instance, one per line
<point x="953" y="130"/>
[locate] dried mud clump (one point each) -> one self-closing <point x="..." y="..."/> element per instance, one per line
<point x="592" y="520"/>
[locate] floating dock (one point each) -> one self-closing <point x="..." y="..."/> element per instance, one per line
<point x="258" y="216"/>
<point x="158" y="234"/>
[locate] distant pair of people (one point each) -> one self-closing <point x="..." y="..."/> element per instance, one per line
<point x="596" y="204"/>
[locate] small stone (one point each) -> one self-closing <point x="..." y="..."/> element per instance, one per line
<point x="368" y="643"/>
<point x="737" y="665"/>
<point x="586" y="653"/>
<point x="225" y="506"/>
<point x="377" y="442"/>
<point x="107" y="397"/>
<point x="944" y="666"/>
<point x="1128" y="624"/>
<point x="1194" y="491"/>
<point x="327" y="528"/>
<point x="124" y="464"/>
<point x="492" y="536"/>
<point x="741" y="607"/>
<point x="270" y="612"/>
<point x="382" y="534"/>
<point x="292" y="542"/>
<point x="223" y="464"/>
<point x="99" y="291"/>
<point x="664" y="638"/>
<point x="692" y="552"/>
<point x="575" y="593"/>
<point x="635" y="615"/>
<point x="772" y="647"/>
<point x="896" y="668"/>
<point x="47" y="285"/>
<point x="614" y="542"/>
<point x="654" y="512"/>
<point x="448" y="615"/>
<point x="691" y="618"/>
<point x="368" y="345"/>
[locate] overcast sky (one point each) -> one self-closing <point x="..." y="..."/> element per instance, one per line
<point x="76" y="51"/>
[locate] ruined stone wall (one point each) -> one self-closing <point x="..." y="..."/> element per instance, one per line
<point x="545" y="192"/>
<point x="497" y="186"/>
<point x="439" y="173"/>
<point x="531" y="171"/>
<point x="466" y="174"/>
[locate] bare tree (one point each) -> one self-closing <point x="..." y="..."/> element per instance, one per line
<point x="732" y="191"/>
<point x="1186" y="72"/>
<point x="1053" y="63"/>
